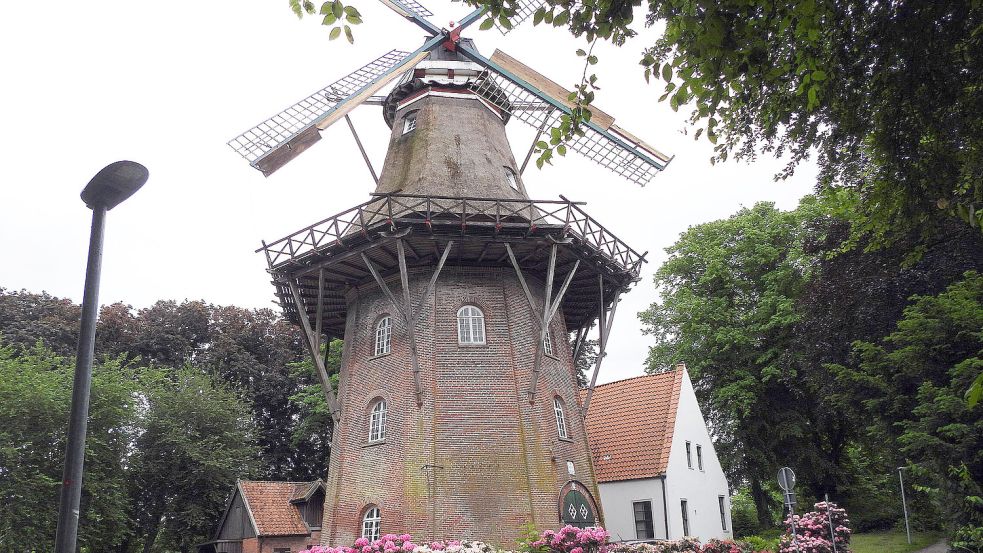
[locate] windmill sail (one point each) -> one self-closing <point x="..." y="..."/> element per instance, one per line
<point x="277" y="140"/>
<point x="535" y="99"/>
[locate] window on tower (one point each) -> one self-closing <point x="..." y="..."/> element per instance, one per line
<point x="511" y="179"/>
<point x="409" y="122"/>
<point x="383" y="335"/>
<point x="548" y="344"/>
<point x="470" y="325"/>
<point x="371" y="523"/>
<point x="561" y="419"/>
<point x="377" y="421"/>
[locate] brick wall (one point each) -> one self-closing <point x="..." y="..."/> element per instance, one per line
<point x="476" y="460"/>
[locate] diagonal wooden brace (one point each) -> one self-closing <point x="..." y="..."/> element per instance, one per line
<point x="405" y="308"/>
<point x="605" y="319"/>
<point x="310" y="343"/>
<point x="550" y="307"/>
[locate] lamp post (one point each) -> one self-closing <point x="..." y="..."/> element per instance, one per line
<point x="904" y="505"/>
<point x="113" y="184"/>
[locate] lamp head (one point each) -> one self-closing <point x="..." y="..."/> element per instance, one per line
<point x="114" y="183"/>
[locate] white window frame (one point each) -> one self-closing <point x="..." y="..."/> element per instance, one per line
<point x="409" y="122"/>
<point x="689" y="455"/>
<point x="699" y="456"/>
<point x="470" y="326"/>
<point x="561" y="419"/>
<point x="548" y="344"/>
<point x="377" y="421"/>
<point x="383" y="336"/>
<point x="372" y="523"/>
<point x="684" y="509"/>
<point x="723" y="512"/>
<point x="512" y="179"/>
<point x="634" y="513"/>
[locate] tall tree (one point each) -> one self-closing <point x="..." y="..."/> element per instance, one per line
<point x="727" y="310"/>
<point x="912" y="383"/>
<point x="26" y="318"/>
<point x="35" y="396"/>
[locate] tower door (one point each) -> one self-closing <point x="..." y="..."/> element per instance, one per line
<point x="577" y="510"/>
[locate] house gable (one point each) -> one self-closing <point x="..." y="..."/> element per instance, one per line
<point x="236" y="523"/>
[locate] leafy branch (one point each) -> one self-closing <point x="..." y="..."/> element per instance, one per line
<point x="337" y="15"/>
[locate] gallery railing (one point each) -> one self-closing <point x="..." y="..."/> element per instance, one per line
<point x="492" y="214"/>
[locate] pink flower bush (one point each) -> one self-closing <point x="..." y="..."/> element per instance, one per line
<point x="813" y="530"/>
<point x="570" y="539"/>
<point x="686" y="545"/>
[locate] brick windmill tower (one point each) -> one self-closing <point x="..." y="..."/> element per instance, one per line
<point x="458" y="413"/>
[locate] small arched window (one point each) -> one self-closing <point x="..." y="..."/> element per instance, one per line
<point x="548" y="344"/>
<point x="377" y="421"/>
<point x="383" y="335"/>
<point x="561" y="419"/>
<point x="511" y="178"/>
<point x="409" y="122"/>
<point x="470" y="325"/>
<point x="371" y="523"/>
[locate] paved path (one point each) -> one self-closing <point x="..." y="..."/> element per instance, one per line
<point x="940" y="547"/>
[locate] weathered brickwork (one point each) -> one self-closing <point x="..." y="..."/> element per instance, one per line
<point x="476" y="460"/>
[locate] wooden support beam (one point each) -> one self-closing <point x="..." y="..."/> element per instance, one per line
<point x="361" y="149"/>
<point x="320" y="310"/>
<point x="605" y="320"/>
<point x="322" y="373"/>
<point x="409" y="319"/>
<point x="578" y="344"/>
<point x="433" y="281"/>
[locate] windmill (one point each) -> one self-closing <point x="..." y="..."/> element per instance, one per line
<point x="457" y="414"/>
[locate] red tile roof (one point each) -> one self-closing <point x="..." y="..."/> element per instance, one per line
<point x="269" y="504"/>
<point x="630" y="425"/>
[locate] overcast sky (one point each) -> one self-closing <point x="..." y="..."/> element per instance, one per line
<point x="167" y="84"/>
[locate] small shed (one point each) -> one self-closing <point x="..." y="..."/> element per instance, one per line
<point x="269" y="517"/>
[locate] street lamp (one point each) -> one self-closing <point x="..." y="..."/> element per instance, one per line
<point x="904" y="505"/>
<point x="113" y="184"/>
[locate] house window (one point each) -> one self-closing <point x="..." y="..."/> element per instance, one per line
<point x="570" y="469"/>
<point x="409" y="122"/>
<point x="644" y="527"/>
<point x="684" y="507"/>
<point x="689" y="455"/>
<point x="281" y="550"/>
<point x="371" y="523"/>
<point x="699" y="456"/>
<point x="377" y="421"/>
<point x="561" y="422"/>
<point x="383" y="335"/>
<point x="470" y="325"/>
<point x="511" y="179"/>
<point x="548" y="344"/>
<point x="723" y="513"/>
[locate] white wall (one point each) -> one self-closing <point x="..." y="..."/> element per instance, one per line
<point x="619" y="515"/>
<point x="700" y="488"/>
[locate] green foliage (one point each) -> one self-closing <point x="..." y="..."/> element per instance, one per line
<point x="336" y="15"/>
<point x="914" y="381"/>
<point x="35" y="396"/>
<point x="888" y="94"/>
<point x="744" y="517"/>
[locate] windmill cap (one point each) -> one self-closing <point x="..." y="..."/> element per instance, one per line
<point x="114" y="183"/>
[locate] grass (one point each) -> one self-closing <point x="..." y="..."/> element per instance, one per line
<point x="891" y="541"/>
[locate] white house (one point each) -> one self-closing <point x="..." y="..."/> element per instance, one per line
<point x="658" y="474"/>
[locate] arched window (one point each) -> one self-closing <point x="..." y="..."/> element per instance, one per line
<point x="548" y="344"/>
<point x="371" y="523"/>
<point x="409" y="122"/>
<point x="561" y="419"/>
<point x="511" y="178"/>
<point x="383" y="335"/>
<point x="470" y="325"/>
<point x="377" y="421"/>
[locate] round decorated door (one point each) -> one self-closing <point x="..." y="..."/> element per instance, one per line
<point x="577" y="510"/>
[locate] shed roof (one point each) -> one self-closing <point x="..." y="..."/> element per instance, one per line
<point x="269" y="505"/>
<point x="630" y="425"/>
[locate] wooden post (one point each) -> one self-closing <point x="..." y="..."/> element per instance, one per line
<point x="605" y="320"/>
<point x="322" y="373"/>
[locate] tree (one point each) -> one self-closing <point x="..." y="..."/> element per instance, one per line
<point x="912" y="383"/>
<point x="727" y="310"/>
<point x="197" y="438"/>
<point x="35" y="398"/>
<point x="26" y="318"/>
<point x="887" y="93"/>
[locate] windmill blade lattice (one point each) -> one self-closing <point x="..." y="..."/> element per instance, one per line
<point x="634" y="164"/>
<point x="524" y="9"/>
<point x="412" y="6"/>
<point x="282" y="127"/>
